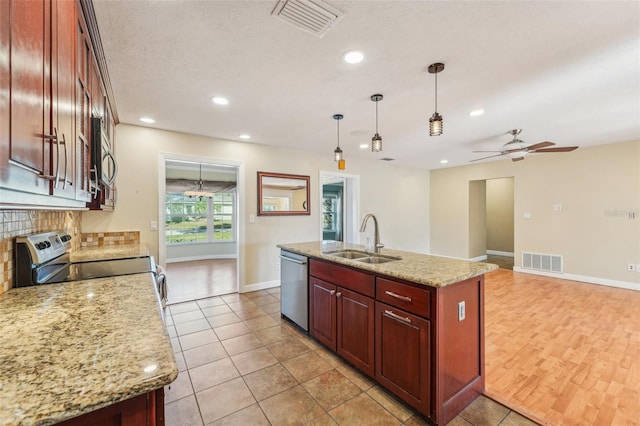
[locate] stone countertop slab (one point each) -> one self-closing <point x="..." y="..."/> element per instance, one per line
<point x="117" y="251"/>
<point x="434" y="271"/>
<point x="72" y="348"/>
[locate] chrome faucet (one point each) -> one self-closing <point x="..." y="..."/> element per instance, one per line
<point x="377" y="246"/>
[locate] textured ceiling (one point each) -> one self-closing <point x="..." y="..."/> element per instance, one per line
<point x="567" y="72"/>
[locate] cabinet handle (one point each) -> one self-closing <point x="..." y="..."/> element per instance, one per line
<point x="93" y="188"/>
<point x="398" y="317"/>
<point x="55" y="177"/>
<point x="115" y="167"/>
<point x="288" y="259"/>
<point x="338" y="294"/>
<point x="66" y="162"/>
<point x="332" y="292"/>
<point x="397" y="296"/>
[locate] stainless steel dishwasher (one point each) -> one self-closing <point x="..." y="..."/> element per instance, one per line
<point x="294" y="289"/>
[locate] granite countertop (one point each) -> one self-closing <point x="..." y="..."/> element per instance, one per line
<point x="71" y="348"/>
<point x="117" y="251"/>
<point x="434" y="271"/>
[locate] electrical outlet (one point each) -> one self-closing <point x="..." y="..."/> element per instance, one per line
<point x="278" y="265"/>
<point x="461" y="311"/>
<point x="631" y="267"/>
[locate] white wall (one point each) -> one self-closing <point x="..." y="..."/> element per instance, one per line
<point x="398" y="196"/>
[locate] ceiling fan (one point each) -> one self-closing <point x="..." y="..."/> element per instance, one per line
<point x="517" y="149"/>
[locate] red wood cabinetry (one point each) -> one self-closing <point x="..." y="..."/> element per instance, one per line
<point x="424" y="344"/>
<point x="342" y="312"/>
<point x="143" y="410"/>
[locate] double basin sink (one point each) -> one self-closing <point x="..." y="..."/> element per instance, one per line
<point x="362" y="256"/>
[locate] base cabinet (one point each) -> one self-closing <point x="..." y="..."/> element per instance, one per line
<point x="424" y="344"/>
<point x="403" y="355"/>
<point x="143" y="410"/>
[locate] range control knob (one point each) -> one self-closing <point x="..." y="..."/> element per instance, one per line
<point x="47" y="244"/>
<point x="65" y="238"/>
<point x="41" y="245"/>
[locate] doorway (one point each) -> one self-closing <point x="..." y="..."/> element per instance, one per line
<point x="491" y="221"/>
<point x="340" y="205"/>
<point x="199" y="236"/>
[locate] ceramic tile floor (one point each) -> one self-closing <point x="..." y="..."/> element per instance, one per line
<point x="241" y="364"/>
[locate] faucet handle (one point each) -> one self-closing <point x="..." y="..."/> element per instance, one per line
<point x="379" y="245"/>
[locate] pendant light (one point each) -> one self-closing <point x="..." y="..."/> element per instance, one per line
<point x="199" y="192"/>
<point x="337" y="153"/>
<point x="376" y="140"/>
<point x="435" y="122"/>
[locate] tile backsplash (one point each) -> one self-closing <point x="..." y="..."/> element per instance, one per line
<point x="23" y="222"/>
<point x="93" y="239"/>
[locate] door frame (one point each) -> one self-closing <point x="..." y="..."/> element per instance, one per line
<point x="351" y="204"/>
<point x="240" y="207"/>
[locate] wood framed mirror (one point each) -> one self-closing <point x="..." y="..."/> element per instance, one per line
<point x="282" y="194"/>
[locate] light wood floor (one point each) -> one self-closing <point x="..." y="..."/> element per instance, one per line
<point x="563" y="352"/>
<point x="201" y="278"/>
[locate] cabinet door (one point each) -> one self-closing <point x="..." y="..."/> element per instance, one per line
<point x="355" y="322"/>
<point x="26" y="153"/>
<point x="84" y="61"/>
<point x="403" y="355"/>
<point x="322" y="311"/>
<point x="63" y="100"/>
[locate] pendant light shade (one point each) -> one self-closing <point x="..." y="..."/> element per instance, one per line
<point x="376" y="140"/>
<point x="436" y="122"/>
<point x="337" y="153"/>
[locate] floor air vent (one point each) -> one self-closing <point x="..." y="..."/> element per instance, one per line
<point x="542" y="262"/>
<point x="311" y="16"/>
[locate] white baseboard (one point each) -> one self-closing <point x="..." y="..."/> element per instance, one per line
<point x="590" y="280"/>
<point x="501" y="253"/>
<point x="204" y="257"/>
<point x="478" y="259"/>
<point x="259" y="286"/>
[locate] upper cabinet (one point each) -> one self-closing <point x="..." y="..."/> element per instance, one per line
<point x="50" y="87"/>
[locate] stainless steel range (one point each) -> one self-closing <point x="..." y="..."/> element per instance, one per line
<point x="44" y="259"/>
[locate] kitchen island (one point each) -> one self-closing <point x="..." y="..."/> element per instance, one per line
<point x="412" y="322"/>
<point x="95" y="347"/>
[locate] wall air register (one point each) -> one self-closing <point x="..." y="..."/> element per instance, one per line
<point x="542" y="262"/>
<point x="311" y="16"/>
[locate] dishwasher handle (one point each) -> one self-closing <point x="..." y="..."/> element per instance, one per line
<point x="299" y="262"/>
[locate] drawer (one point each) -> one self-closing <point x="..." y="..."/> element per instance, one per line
<point x="344" y="277"/>
<point x="412" y="299"/>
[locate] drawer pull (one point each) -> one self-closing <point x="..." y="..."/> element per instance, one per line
<point x="398" y="317"/>
<point x="397" y="296"/>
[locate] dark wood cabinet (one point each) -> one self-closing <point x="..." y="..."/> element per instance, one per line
<point x="403" y="355"/>
<point x="46" y="104"/>
<point x="143" y="410"/>
<point x="424" y="344"/>
<point x="341" y="317"/>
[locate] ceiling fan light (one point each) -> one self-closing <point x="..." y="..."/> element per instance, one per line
<point x="376" y="143"/>
<point x="435" y="125"/>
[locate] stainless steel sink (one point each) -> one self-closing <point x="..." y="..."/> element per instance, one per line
<point x="362" y="256"/>
<point x="375" y="260"/>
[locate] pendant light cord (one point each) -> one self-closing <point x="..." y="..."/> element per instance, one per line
<point x="436" y="109"/>
<point x="338" y="133"/>
<point x="376" y="117"/>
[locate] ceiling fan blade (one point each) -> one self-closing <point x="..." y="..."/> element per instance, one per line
<point x="558" y="149"/>
<point x="517" y="159"/>
<point x="540" y="145"/>
<point x="484" y="158"/>
<point x="486" y="151"/>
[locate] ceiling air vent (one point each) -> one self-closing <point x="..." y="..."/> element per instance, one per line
<point x="311" y="16"/>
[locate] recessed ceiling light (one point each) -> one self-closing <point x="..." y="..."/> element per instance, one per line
<point x="444" y="161"/>
<point x="364" y="145"/>
<point x="147" y="120"/>
<point x="353" y="57"/>
<point x="244" y="136"/>
<point x="476" y="112"/>
<point x="220" y="100"/>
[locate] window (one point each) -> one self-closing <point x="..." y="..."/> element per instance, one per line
<point x="193" y="219"/>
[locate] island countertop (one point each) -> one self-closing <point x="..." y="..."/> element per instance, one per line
<point x="434" y="271"/>
<point x="115" y="251"/>
<point x="72" y="348"/>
